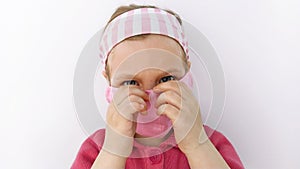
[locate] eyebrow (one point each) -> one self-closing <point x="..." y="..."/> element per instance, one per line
<point x="123" y="76"/>
<point x="173" y="70"/>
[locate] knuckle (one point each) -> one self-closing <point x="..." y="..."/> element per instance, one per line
<point x="135" y="106"/>
<point x="165" y="108"/>
<point x="131" y="97"/>
<point x="171" y="94"/>
<point x="134" y="98"/>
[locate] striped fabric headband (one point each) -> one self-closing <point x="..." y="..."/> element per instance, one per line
<point x="141" y="21"/>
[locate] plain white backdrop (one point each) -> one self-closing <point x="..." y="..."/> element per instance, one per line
<point x="41" y="40"/>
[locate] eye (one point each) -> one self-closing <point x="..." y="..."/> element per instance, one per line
<point x="166" y="78"/>
<point x="130" y="82"/>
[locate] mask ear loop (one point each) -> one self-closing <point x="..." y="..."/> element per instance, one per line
<point x="108" y="94"/>
<point x="188" y="79"/>
<point x="109" y="91"/>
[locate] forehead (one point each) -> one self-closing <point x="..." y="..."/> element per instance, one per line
<point x="153" y="49"/>
<point x="150" y="59"/>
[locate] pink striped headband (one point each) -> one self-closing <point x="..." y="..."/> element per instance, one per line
<point x="141" y="21"/>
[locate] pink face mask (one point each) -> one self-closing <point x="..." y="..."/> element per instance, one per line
<point x="152" y="125"/>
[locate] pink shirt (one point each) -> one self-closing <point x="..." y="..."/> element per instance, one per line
<point x="170" y="159"/>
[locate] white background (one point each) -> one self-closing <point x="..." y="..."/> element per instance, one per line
<point x="41" y="40"/>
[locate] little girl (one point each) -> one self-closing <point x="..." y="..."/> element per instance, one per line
<point x="153" y="119"/>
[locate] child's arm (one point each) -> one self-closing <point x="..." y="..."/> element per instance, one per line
<point x="206" y="156"/>
<point x="120" y="128"/>
<point x="177" y="102"/>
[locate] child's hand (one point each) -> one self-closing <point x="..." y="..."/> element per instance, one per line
<point x="121" y="116"/>
<point x="122" y="111"/>
<point x="177" y="102"/>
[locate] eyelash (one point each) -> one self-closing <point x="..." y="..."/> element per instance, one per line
<point x="162" y="80"/>
<point x="165" y="77"/>
<point x="129" y="82"/>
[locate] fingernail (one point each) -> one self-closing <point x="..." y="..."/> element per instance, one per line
<point x="142" y="106"/>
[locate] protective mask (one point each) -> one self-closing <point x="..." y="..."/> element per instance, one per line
<point x="152" y="125"/>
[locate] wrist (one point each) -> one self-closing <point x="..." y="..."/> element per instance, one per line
<point x="117" y="144"/>
<point x="196" y="143"/>
<point x="199" y="149"/>
<point x="205" y="155"/>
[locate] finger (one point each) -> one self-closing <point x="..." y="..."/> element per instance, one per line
<point x="134" y="98"/>
<point x="131" y="106"/>
<point x="139" y="100"/>
<point x="169" y="97"/>
<point x="129" y="109"/>
<point x="133" y="90"/>
<point x="179" y="87"/>
<point x="125" y="91"/>
<point x="170" y="111"/>
<point x="170" y="85"/>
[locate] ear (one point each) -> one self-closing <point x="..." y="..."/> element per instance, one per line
<point x="105" y="75"/>
<point x="188" y="65"/>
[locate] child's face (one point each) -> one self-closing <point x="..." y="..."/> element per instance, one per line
<point x="128" y="67"/>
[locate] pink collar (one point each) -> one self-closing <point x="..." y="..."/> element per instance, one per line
<point x="141" y="150"/>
